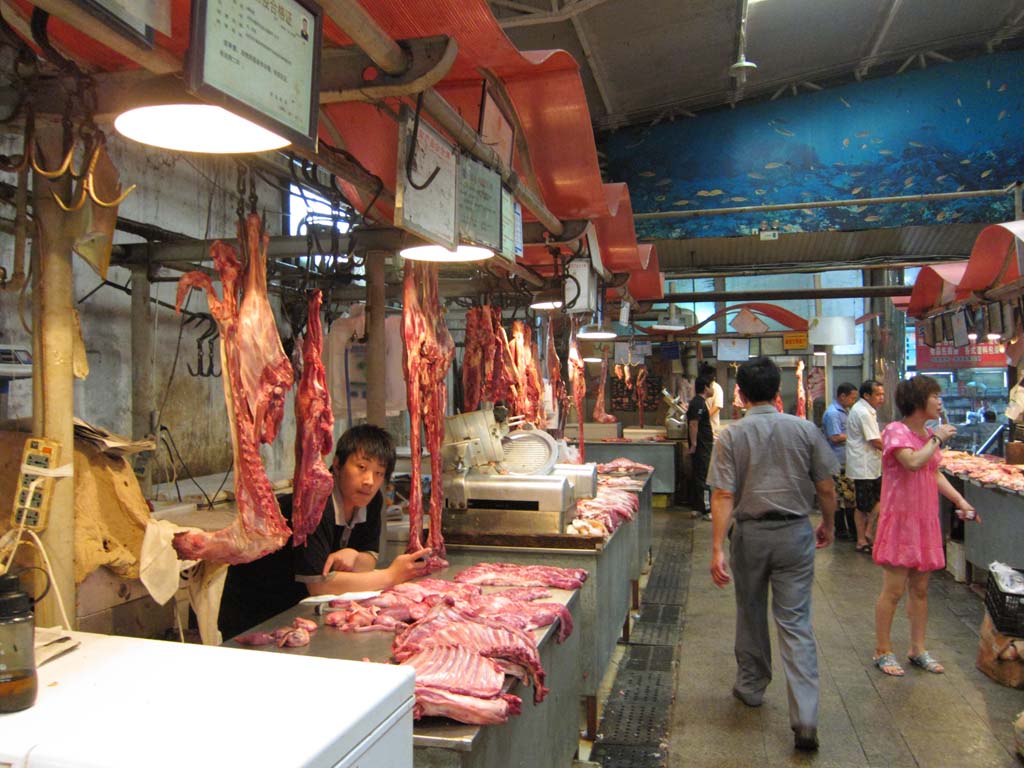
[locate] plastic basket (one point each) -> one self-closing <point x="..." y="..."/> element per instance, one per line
<point x="1007" y="611"/>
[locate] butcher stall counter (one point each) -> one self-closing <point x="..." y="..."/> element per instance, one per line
<point x="660" y="454"/>
<point x="124" y="702"/>
<point x="542" y="735"/>
<point x="1000" y="535"/>
<point x="604" y="598"/>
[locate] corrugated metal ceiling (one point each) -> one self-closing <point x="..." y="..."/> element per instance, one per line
<point x="949" y="242"/>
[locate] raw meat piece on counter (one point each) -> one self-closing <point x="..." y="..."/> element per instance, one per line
<point x="465" y="709"/>
<point x="314" y="431"/>
<point x="511" y="575"/>
<point x="456" y="669"/>
<point x="622" y="465"/>
<point x="257" y="375"/>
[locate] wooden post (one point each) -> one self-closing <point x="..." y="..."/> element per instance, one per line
<point x="375" y="364"/>
<point x="53" y="381"/>
<point x="142" y="365"/>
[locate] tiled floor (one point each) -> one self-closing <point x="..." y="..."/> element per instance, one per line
<point x="958" y="719"/>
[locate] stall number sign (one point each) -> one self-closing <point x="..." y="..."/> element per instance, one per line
<point x="944" y="357"/>
<point x="794" y="340"/>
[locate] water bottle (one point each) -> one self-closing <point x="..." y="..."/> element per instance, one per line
<point x="18" y="681"/>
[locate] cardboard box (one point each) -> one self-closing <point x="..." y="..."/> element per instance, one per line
<point x="991" y="647"/>
<point x="956" y="560"/>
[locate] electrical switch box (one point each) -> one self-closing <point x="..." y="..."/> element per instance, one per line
<point x="34" y="491"/>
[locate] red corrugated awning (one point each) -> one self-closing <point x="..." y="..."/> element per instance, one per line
<point x="935" y="286"/>
<point x="647" y="283"/>
<point x="993" y="259"/>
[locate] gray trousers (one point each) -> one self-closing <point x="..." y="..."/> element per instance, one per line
<point x="779" y="553"/>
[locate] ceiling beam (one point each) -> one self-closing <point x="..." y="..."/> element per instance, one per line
<point x="596" y="69"/>
<point x="567" y="12"/>
<point x="879" y="38"/>
<point x="866" y="291"/>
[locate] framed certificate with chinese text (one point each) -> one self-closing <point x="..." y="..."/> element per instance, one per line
<point x="261" y="60"/>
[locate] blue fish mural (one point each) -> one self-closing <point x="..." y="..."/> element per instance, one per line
<point x="949" y="128"/>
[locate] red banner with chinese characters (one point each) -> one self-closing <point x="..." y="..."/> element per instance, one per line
<point x="945" y="357"/>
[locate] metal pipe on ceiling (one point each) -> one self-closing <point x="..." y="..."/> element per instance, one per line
<point x="389" y="56"/>
<point x="804" y="268"/>
<point x="856" y="292"/>
<point x="862" y="201"/>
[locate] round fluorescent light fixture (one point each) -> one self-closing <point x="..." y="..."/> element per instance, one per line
<point x="596" y="333"/>
<point x="591" y="359"/>
<point x="196" y="128"/>
<point x="972" y="336"/>
<point x="442" y="254"/>
<point x="994" y="336"/>
<point x="547" y="299"/>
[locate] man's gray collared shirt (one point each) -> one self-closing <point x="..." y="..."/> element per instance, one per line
<point x="770" y="461"/>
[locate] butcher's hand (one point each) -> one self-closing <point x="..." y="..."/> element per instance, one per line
<point x="342" y="560"/>
<point x="824" y="536"/>
<point x="719" y="569"/>
<point x="410" y="565"/>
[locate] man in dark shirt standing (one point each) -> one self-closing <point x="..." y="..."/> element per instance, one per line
<point x="702" y="440"/>
<point x="340" y="555"/>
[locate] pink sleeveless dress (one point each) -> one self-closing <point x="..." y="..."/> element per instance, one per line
<point x="909" y="532"/>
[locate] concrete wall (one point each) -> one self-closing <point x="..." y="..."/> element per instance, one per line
<point x="194" y="196"/>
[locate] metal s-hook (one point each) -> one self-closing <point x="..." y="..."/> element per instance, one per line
<point x="410" y="157"/>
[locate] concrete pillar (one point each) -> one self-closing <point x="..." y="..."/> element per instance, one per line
<point x="142" y="369"/>
<point x="53" y="381"/>
<point x="375" y="367"/>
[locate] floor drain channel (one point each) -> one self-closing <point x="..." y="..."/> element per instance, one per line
<point x="637" y="709"/>
<point x="623" y="756"/>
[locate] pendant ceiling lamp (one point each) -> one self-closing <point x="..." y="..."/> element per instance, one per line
<point x="441" y="254"/>
<point x="547" y="299"/>
<point x="196" y="127"/>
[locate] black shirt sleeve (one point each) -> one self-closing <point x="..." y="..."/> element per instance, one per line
<point x="696" y="408"/>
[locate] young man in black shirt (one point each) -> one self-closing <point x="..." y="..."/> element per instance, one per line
<point x="340" y="555"/>
<point x="702" y="440"/>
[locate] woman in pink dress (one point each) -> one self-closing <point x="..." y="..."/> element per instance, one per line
<point x="908" y="544"/>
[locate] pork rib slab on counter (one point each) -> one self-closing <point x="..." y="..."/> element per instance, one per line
<point x="456" y="669"/>
<point x="314" y="431"/>
<point x="511" y="575"/>
<point x="427" y="355"/>
<point x="257" y="375"/>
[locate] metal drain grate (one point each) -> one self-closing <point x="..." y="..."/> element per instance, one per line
<point x="637" y="709"/>
<point x="659" y="624"/>
<point x="622" y="756"/>
<point x="648" y="658"/>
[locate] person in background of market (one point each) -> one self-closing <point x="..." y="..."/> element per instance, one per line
<point x="717" y="401"/>
<point x="702" y="440"/>
<point x="909" y="543"/>
<point x="833" y="423"/>
<point x="340" y="555"/>
<point x="864" y="460"/>
<point x="765" y="471"/>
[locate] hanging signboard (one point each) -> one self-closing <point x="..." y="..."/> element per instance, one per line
<point x="260" y="59"/>
<point x="132" y="23"/>
<point x="794" y="340"/>
<point x="508" y="224"/>
<point x="426" y="209"/>
<point x="945" y="357"/>
<point x="479" y="204"/>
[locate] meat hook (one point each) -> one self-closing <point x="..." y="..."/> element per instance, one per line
<point x="88" y="188"/>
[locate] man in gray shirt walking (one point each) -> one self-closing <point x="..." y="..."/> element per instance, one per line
<point x="765" y="472"/>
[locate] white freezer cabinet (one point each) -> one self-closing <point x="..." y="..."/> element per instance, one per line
<point x="121" y="702"/>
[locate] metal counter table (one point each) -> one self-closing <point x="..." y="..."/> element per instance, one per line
<point x="604" y="597"/>
<point x="660" y="454"/>
<point x="545" y="734"/>
<point x="645" y="526"/>
<point x="1000" y="535"/>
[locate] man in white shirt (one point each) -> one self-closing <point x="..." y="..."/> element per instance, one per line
<point x="717" y="399"/>
<point x="864" y="460"/>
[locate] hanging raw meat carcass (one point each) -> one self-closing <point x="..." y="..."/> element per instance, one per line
<point x="641" y="391"/>
<point x="599" y="413"/>
<point x="737" y="403"/>
<point x="578" y="382"/>
<point x="558" y="394"/>
<point x="478" y="362"/>
<point x="428" y="354"/>
<point x="531" y="401"/>
<point x="314" y="431"/>
<point x="257" y="375"/>
<point x="801" y="394"/>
